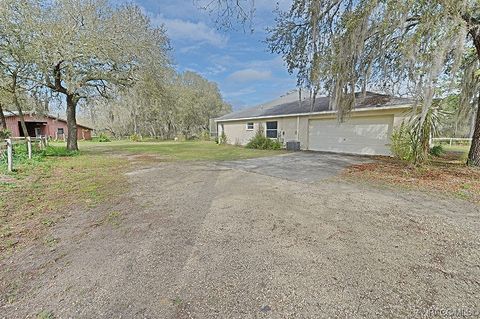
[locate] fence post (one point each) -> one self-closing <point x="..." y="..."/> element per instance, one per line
<point x="42" y="143"/>
<point x="9" y="155"/>
<point x="29" y="147"/>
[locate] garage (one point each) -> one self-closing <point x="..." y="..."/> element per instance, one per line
<point x="358" y="135"/>
<point x="367" y="130"/>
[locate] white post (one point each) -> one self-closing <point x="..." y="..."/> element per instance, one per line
<point x="29" y="147"/>
<point x="9" y="154"/>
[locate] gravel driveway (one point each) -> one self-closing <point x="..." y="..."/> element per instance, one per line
<point x="202" y="240"/>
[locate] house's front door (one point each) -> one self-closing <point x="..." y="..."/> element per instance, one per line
<point x="38" y="131"/>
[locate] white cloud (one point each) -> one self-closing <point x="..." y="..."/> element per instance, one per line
<point x="215" y="69"/>
<point x="250" y="75"/>
<point x="178" y="29"/>
<point x="241" y="92"/>
<point x="188" y="49"/>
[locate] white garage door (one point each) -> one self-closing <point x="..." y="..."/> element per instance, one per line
<point x="363" y="135"/>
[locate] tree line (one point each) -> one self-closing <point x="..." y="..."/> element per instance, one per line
<point x="109" y="61"/>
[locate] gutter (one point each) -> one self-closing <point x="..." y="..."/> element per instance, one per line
<point x="383" y="108"/>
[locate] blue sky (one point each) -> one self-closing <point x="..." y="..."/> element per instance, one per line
<point x="238" y="61"/>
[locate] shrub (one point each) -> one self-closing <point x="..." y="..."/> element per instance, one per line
<point x="403" y="143"/>
<point x="20" y="155"/>
<point x="222" y="139"/>
<point x="5" y="133"/>
<point x="180" y="138"/>
<point x="259" y="141"/>
<point x="103" y="138"/>
<point x="437" y="150"/>
<point x="59" y="151"/>
<point x="135" y="137"/>
<point x="205" y="136"/>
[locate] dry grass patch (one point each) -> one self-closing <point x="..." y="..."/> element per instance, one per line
<point x="446" y="175"/>
<point x="41" y="193"/>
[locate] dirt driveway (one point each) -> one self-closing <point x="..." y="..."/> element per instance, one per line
<point x="203" y="240"/>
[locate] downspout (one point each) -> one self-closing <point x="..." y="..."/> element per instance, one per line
<point x="298" y="127"/>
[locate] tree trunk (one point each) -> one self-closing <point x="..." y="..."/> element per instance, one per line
<point x="2" y="118"/>
<point x="18" y="106"/>
<point x="474" y="154"/>
<point x="20" y="115"/>
<point x="72" y="144"/>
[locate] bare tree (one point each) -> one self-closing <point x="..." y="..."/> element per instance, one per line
<point x="229" y="12"/>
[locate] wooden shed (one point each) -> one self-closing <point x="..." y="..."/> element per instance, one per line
<point x="44" y="125"/>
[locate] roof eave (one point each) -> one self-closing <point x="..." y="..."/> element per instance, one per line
<point x="383" y="108"/>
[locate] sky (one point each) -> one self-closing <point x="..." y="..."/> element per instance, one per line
<point x="237" y="60"/>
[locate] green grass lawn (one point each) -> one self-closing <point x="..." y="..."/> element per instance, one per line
<point x="456" y="148"/>
<point x="181" y="151"/>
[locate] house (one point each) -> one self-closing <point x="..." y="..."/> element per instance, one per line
<point x="366" y="130"/>
<point x="44" y="125"/>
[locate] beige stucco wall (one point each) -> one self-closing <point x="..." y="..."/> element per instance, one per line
<point x="237" y="133"/>
<point x="294" y="127"/>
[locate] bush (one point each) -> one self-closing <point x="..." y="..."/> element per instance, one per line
<point x="59" y="151"/>
<point x="437" y="150"/>
<point x="20" y="155"/>
<point x="180" y="138"/>
<point x="5" y="133"/>
<point x="222" y="139"/>
<point x="205" y="136"/>
<point x="103" y="138"/>
<point x="135" y="137"/>
<point x="403" y="143"/>
<point x="259" y="141"/>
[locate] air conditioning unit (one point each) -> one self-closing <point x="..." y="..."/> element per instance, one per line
<point x="293" y="145"/>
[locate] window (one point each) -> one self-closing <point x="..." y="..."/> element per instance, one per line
<point x="60" y="131"/>
<point x="272" y="129"/>
<point x="249" y="126"/>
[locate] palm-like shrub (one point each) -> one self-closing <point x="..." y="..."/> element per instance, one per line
<point x="411" y="141"/>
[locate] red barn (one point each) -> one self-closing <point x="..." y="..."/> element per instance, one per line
<point x="44" y="125"/>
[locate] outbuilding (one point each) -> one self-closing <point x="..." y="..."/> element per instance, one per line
<point x="44" y="125"/>
<point x="367" y="129"/>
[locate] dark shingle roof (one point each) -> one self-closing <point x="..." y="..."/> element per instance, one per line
<point x="287" y="106"/>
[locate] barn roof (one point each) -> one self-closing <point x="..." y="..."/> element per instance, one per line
<point x="290" y="104"/>
<point x="39" y="115"/>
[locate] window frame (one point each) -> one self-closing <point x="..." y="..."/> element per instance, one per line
<point x="60" y="128"/>
<point x="275" y="129"/>
<point x="248" y="124"/>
